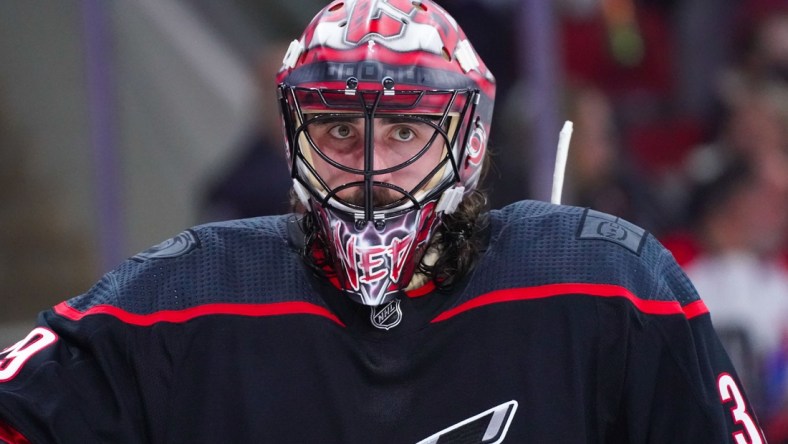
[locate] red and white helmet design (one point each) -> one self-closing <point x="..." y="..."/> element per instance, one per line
<point x="360" y="68"/>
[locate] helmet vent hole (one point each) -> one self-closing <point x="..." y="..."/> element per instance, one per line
<point x="446" y="54"/>
<point x="419" y="5"/>
<point x="336" y="7"/>
<point x="343" y="24"/>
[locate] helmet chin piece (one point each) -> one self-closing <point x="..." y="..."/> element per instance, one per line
<point x="376" y="259"/>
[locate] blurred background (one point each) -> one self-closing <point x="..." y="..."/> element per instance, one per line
<point x="124" y="122"/>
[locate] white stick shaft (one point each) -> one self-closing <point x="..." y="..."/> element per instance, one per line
<point x="560" y="161"/>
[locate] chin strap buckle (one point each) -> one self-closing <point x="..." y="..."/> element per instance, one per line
<point x="450" y="199"/>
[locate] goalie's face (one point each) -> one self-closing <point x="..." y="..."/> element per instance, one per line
<point x="400" y="154"/>
<point x="375" y="154"/>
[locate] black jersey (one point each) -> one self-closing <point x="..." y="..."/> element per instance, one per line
<point x="573" y="327"/>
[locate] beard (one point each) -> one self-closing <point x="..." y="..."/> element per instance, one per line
<point x="380" y="197"/>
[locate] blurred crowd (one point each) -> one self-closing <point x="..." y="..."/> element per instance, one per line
<point x="698" y="158"/>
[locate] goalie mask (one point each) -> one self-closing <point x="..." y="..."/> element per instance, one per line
<point x="386" y="108"/>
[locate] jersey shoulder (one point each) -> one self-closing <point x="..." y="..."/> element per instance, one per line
<point x="239" y="261"/>
<point x="537" y="243"/>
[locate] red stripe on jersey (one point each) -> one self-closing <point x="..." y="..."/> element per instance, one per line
<point x="693" y="309"/>
<point x="187" y="314"/>
<point x="599" y="290"/>
<point x="421" y="291"/>
<point x="11" y="436"/>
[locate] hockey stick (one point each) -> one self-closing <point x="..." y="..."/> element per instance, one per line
<point x="560" y="161"/>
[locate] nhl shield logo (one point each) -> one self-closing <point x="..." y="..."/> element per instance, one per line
<point x="387" y="316"/>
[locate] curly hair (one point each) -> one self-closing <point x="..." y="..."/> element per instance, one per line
<point x="457" y="241"/>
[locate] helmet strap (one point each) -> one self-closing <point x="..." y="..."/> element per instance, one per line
<point x="301" y="192"/>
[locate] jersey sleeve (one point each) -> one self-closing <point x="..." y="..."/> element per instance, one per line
<point x="69" y="381"/>
<point x="680" y="385"/>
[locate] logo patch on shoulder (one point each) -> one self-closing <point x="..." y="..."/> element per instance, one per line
<point x="387" y="316"/>
<point x="174" y="247"/>
<point x="597" y="225"/>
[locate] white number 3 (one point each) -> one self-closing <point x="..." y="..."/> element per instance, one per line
<point x="730" y="391"/>
<point x="13" y="358"/>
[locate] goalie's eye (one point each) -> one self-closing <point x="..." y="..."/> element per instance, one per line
<point x="341" y="131"/>
<point x="404" y="134"/>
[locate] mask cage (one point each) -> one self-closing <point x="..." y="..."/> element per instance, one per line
<point x="302" y="107"/>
